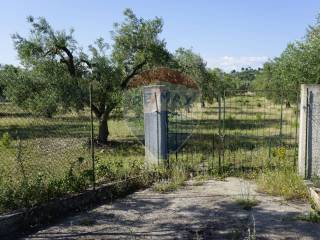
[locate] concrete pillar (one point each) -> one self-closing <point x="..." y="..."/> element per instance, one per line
<point x="309" y="135"/>
<point x="155" y="123"/>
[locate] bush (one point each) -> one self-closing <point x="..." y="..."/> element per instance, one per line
<point x="6" y="140"/>
<point x="26" y="191"/>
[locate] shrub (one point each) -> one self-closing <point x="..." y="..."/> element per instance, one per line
<point x="6" y="140"/>
<point x="258" y="117"/>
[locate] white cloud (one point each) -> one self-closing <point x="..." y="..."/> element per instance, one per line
<point x="228" y="63"/>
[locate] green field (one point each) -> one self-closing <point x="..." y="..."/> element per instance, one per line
<point x="46" y="153"/>
<point x="252" y="132"/>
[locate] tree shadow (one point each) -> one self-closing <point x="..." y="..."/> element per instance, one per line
<point x="61" y="130"/>
<point x="225" y="219"/>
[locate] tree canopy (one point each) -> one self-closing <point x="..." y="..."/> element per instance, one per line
<point x="56" y="72"/>
<point x="299" y="63"/>
<point x="55" y="66"/>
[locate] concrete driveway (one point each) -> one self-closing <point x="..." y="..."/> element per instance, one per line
<point x="208" y="211"/>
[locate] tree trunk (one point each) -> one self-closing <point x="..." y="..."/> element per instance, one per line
<point x="203" y="105"/>
<point x="103" y="128"/>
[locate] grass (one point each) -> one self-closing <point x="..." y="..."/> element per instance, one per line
<point x="246" y="200"/>
<point x="247" y="204"/>
<point x="285" y="183"/>
<point x="167" y="186"/>
<point x="316" y="181"/>
<point x="200" y="180"/>
<point x="176" y="178"/>
<point x="55" y="157"/>
<point x="312" y="216"/>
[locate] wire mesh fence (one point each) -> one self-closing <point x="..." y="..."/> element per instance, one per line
<point x="44" y="158"/>
<point x="241" y="131"/>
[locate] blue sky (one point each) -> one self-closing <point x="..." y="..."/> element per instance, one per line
<point x="227" y="33"/>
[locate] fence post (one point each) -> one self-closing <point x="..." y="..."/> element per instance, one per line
<point x="92" y="140"/>
<point x="155" y="127"/>
<point x="281" y="118"/>
<point x="220" y="135"/>
<point x="296" y="131"/>
<point x="309" y="137"/>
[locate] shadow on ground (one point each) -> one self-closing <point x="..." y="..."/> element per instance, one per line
<point x="195" y="212"/>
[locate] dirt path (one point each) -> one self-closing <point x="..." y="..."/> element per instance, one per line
<point x="209" y="211"/>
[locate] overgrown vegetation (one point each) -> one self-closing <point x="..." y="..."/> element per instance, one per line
<point x="283" y="180"/>
<point x="175" y="179"/>
<point x="45" y="158"/>
<point x="312" y="216"/>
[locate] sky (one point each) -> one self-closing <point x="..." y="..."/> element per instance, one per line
<point x="228" y="34"/>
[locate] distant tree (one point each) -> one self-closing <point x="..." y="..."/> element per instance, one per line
<point x="193" y="65"/>
<point x="216" y="85"/>
<point x="54" y="59"/>
<point x="244" y="78"/>
<point x="2" y="82"/>
<point x="38" y="90"/>
<point x="299" y="63"/>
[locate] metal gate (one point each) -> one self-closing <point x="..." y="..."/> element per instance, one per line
<point x="240" y="131"/>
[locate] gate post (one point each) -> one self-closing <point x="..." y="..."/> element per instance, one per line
<point x="309" y="133"/>
<point x="155" y="123"/>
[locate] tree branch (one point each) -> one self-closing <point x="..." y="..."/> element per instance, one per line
<point x="70" y="61"/>
<point x="125" y="82"/>
<point x="90" y="65"/>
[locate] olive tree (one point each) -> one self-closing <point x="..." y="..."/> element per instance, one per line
<point x="55" y="59"/>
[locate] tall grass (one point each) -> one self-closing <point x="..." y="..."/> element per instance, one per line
<point x="282" y="180"/>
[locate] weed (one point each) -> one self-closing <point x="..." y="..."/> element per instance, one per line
<point x="176" y="179"/>
<point x="200" y="180"/>
<point x="312" y="216"/>
<point x="6" y="140"/>
<point x="282" y="182"/>
<point x="316" y="181"/>
<point x="252" y="235"/>
<point x="246" y="201"/>
<point x="247" y="204"/>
